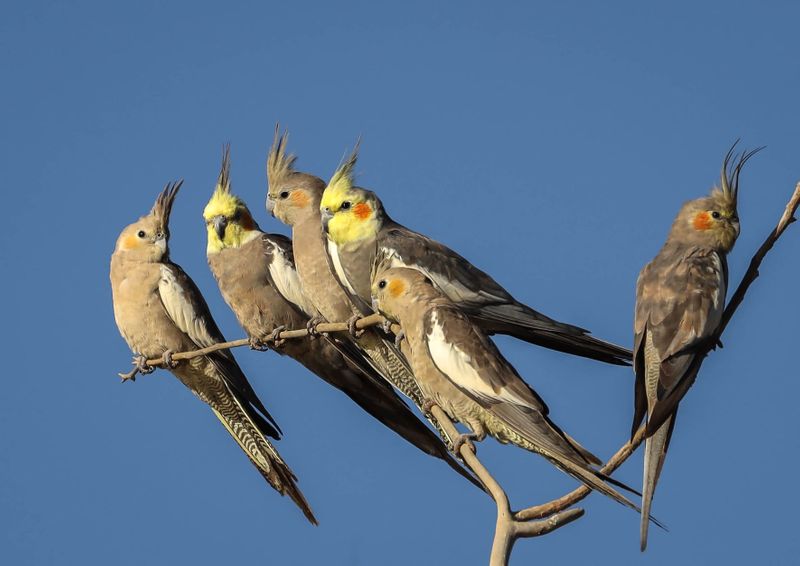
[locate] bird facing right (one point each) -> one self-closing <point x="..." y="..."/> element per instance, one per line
<point x="680" y="298"/>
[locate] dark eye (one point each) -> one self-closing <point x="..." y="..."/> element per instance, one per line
<point x="141" y="234"/>
<point x="382" y="284"/>
<point x="345" y="205"/>
<point x="284" y="194"/>
<point x="715" y="215"/>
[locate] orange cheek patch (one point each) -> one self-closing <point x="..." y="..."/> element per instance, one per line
<point x="299" y="199"/>
<point x="362" y="210"/>
<point x="130" y="242"/>
<point x="702" y="221"/>
<point x="396" y="287"/>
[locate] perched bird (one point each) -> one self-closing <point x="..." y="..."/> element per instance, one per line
<point x="680" y="298"/>
<point x="159" y="311"/>
<point x="256" y="275"/>
<point x="294" y="198"/>
<point x="362" y="236"/>
<point x="461" y="370"/>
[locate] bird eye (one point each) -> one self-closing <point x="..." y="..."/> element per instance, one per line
<point x="382" y="284"/>
<point x="284" y="194"/>
<point x="345" y="205"/>
<point x="715" y="215"/>
<point x="141" y="234"/>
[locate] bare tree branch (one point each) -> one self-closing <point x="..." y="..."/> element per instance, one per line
<point x="544" y="518"/>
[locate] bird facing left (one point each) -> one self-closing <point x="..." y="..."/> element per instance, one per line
<point x="159" y="311"/>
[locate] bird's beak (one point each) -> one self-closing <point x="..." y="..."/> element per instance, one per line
<point x="736" y="226"/>
<point x="326" y="217"/>
<point x="375" y="304"/>
<point x="271" y="205"/>
<point x="220" y="224"/>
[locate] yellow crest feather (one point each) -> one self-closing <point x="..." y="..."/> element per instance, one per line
<point x="342" y="180"/>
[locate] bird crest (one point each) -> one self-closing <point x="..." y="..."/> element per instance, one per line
<point x="343" y="178"/>
<point x="163" y="205"/>
<point x="280" y="165"/>
<point x="728" y="191"/>
<point x="222" y="201"/>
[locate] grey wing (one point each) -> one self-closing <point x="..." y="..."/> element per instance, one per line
<point x="680" y="300"/>
<point x="469" y="359"/>
<point x="486" y="302"/>
<point x="187" y="308"/>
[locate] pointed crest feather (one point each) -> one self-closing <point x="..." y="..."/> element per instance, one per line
<point x="732" y="168"/>
<point x="163" y="205"/>
<point x="344" y="177"/>
<point x="224" y="179"/>
<point x="279" y="164"/>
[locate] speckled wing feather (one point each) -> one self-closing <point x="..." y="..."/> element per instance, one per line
<point x="188" y="309"/>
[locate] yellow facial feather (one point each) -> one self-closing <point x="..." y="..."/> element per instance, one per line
<point x="240" y="227"/>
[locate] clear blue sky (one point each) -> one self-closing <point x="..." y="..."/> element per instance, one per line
<point x="550" y="144"/>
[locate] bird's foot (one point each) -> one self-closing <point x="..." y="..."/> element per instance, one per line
<point x="311" y="326"/>
<point x="426" y="407"/>
<point x="386" y="326"/>
<point x="399" y="337"/>
<point x="465" y="439"/>
<point x="258" y="344"/>
<point x="141" y="365"/>
<point x="351" y="326"/>
<point x="169" y="363"/>
<point x="275" y="336"/>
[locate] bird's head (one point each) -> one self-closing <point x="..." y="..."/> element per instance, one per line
<point x="292" y="196"/>
<point x="349" y="213"/>
<point x="393" y="290"/>
<point x="713" y="221"/>
<point x="147" y="239"/>
<point x="229" y="223"/>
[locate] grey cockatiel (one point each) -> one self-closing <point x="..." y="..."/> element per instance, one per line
<point x="460" y="369"/>
<point x="362" y="236"/>
<point x="680" y="298"/>
<point x="293" y="197"/>
<point x="159" y="311"/>
<point x="257" y="277"/>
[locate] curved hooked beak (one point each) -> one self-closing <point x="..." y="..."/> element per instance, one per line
<point x="220" y="223"/>
<point x="271" y="205"/>
<point x="735" y="224"/>
<point x="326" y="215"/>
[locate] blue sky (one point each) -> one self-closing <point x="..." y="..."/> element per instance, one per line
<point x="551" y="144"/>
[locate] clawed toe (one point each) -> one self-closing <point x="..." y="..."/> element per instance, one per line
<point x="168" y="361"/>
<point x="399" y="338"/>
<point x="258" y="344"/>
<point x="141" y="365"/>
<point x="426" y="407"/>
<point x="463" y="439"/>
<point x="351" y="326"/>
<point x="386" y="326"/>
<point x="311" y="326"/>
<point x="275" y="336"/>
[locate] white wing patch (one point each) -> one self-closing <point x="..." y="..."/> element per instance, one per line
<point x="718" y="298"/>
<point x="285" y="277"/>
<point x="333" y="251"/>
<point x="180" y="309"/>
<point x="458" y="367"/>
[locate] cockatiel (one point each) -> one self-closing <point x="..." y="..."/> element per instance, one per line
<point x="362" y="236"/>
<point x="256" y="274"/>
<point x="680" y="298"/>
<point x="461" y="370"/>
<point x="159" y="311"/>
<point x="294" y="197"/>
